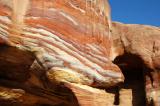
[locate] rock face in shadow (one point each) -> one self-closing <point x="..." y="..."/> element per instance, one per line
<point x="15" y="63"/>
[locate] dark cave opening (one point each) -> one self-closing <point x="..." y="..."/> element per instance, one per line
<point x="133" y="70"/>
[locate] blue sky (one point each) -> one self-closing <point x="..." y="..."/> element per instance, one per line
<point x="136" y="11"/>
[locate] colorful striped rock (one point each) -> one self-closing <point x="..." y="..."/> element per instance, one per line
<point x="70" y="38"/>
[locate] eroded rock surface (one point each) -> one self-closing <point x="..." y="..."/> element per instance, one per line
<point x="49" y="45"/>
<point x="70" y="39"/>
<point x="54" y="42"/>
<point x="142" y="42"/>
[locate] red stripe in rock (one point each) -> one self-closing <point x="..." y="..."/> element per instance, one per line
<point x="80" y="59"/>
<point x="83" y="61"/>
<point x="69" y="53"/>
<point x="66" y="39"/>
<point x="88" y="55"/>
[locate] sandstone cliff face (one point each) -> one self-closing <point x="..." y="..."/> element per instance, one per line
<point x="70" y="39"/>
<point x="49" y="48"/>
<point x="48" y="44"/>
<point x="139" y="46"/>
<point x="142" y="40"/>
